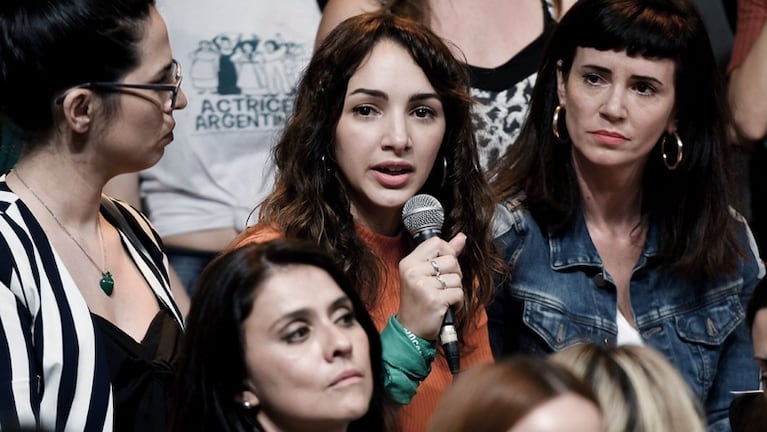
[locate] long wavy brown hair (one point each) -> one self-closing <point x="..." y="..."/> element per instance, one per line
<point x="311" y="196"/>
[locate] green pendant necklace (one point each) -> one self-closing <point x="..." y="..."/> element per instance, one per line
<point x="107" y="283"/>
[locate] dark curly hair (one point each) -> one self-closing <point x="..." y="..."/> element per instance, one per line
<point x="311" y="197"/>
<point x="211" y="368"/>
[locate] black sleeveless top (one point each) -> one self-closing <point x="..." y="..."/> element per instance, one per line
<point x="141" y="373"/>
<point x="503" y="95"/>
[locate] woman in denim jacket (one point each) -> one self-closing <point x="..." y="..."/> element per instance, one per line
<point x="616" y="221"/>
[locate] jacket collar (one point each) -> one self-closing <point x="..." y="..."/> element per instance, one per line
<point x="574" y="248"/>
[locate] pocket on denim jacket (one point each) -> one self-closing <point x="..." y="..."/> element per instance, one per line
<point x="560" y="328"/>
<point x="711" y="323"/>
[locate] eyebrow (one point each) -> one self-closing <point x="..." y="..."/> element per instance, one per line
<point x="303" y="313"/>
<point x="343" y="301"/>
<point x="381" y="95"/>
<point x="605" y="70"/>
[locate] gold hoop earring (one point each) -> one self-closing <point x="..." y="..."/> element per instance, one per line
<point x="555" y="125"/>
<point x="679" y="152"/>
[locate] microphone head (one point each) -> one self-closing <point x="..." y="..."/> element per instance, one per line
<point x="423" y="214"/>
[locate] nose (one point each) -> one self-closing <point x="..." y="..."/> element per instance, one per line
<point x="397" y="136"/>
<point x="614" y="107"/>
<point x="338" y="344"/>
<point x="181" y="100"/>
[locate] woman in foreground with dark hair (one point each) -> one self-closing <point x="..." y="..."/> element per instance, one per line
<point x="277" y="340"/>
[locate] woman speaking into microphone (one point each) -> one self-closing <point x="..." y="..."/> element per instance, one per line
<point x="382" y="114"/>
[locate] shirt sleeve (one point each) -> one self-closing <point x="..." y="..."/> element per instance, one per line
<point x="752" y="14"/>
<point x="19" y="380"/>
<point x="736" y="369"/>
<point x="407" y="360"/>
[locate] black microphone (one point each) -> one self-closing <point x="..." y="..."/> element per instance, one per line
<point x="423" y="217"/>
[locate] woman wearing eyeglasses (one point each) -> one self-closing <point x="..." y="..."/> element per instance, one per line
<point x="88" y="325"/>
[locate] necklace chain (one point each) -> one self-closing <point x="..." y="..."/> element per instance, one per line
<point x="107" y="282"/>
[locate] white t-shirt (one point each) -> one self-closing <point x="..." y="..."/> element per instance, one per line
<point x="240" y="61"/>
<point x="627" y="334"/>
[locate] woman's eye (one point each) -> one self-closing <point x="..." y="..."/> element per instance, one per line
<point x="297" y="335"/>
<point x="347" y="319"/>
<point x="364" y="110"/>
<point x="592" y="78"/>
<point x="423" y="112"/>
<point x="644" y="88"/>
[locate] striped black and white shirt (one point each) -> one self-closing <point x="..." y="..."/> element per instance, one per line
<point x="54" y="373"/>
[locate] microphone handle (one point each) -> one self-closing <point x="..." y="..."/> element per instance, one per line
<point x="448" y="336"/>
<point x="425" y="234"/>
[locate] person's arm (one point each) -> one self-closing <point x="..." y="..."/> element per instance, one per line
<point x="736" y="369"/>
<point x="509" y="234"/>
<point x="748" y="91"/>
<point x="407" y="360"/>
<point x="19" y="397"/>
<point x="748" y="79"/>
<point x="337" y="11"/>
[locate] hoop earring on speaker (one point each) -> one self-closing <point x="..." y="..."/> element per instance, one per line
<point x="555" y="124"/>
<point x="679" y="152"/>
<point x="326" y="165"/>
<point x="444" y="172"/>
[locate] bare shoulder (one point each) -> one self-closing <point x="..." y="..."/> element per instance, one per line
<point x="337" y="11"/>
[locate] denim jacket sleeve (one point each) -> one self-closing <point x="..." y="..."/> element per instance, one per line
<point x="407" y="360"/>
<point x="736" y="369"/>
<point x="509" y="231"/>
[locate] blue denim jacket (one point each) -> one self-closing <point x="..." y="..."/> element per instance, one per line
<point x="559" y="294"/>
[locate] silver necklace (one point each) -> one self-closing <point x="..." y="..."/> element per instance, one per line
<point x="107" y="283"/>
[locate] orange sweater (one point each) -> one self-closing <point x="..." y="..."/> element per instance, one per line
<point x="415" y="416"/>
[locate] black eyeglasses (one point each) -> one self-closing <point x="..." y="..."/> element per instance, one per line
<point x="172" y="88"/>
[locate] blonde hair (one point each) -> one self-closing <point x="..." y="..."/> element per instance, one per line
<point x="638" y="389"/>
